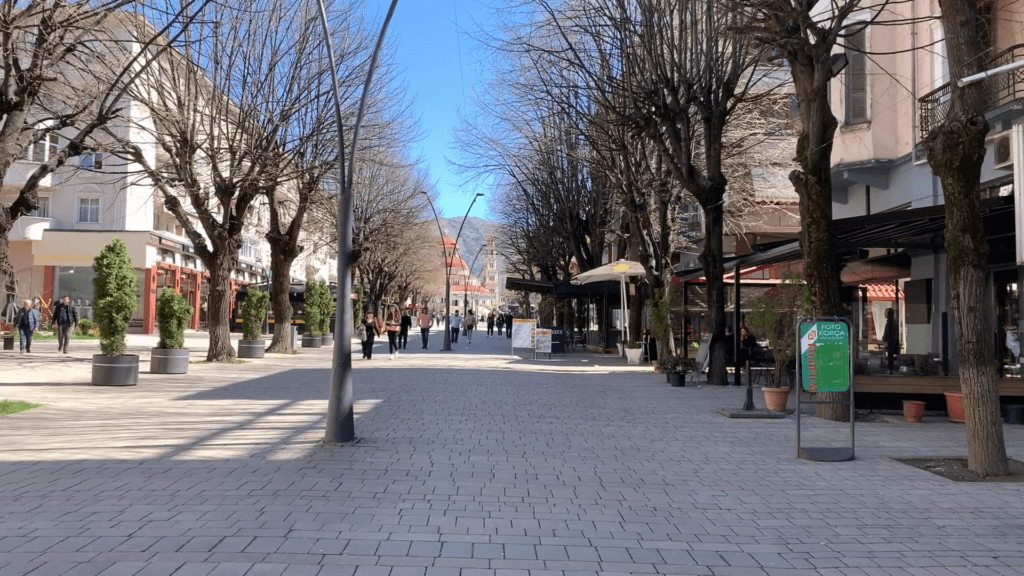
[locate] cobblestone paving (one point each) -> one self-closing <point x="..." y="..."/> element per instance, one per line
<point x="472" y="463"/>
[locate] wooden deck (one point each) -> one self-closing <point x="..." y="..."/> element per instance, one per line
<point x="898" y="384"/>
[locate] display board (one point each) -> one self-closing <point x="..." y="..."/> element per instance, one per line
<point x="543" y="336"/>
<point x="824" y="355"/>
<point x="523" y="332"/>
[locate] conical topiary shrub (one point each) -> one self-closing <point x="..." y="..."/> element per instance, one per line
<point x="114" y="302"/>
<point x="254" y="310"/>
<point x="114" y="295"/>
<point x="169" y="357"/>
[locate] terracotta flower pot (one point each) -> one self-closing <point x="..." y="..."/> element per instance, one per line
<point x="955" y="406"/>
<point x="913" y="410"/>
<point x="776" y="398"/>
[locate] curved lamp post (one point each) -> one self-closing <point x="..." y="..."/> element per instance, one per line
<point x="340" y="402"/>
<point x="448" y="268"/>
<point x="469" y="274"/>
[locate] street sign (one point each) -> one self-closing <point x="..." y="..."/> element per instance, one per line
<point x="824" y="355"/>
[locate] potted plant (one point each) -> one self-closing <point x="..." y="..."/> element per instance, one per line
<point x="172" y="311"/>
<point x="311" y="337"/>
<point x="774" y="316"/>
<point x="633" y="352"/>
<point x="326" y="307"/>
<point x="676" y="368"/>
<point x="254" y="310"/>
<point x="114" y="302"/>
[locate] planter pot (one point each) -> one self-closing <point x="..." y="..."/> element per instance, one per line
<point x="677" y="380"/>
<point x="913" y="410"/>
<point x="1014" y="414"/>
<point x="310" y="340"/>
<point x="168" y="361"/>
<point x="955" y="406"/>
<point x="776" y="398"/>
<point x="633" y="355"/>
<point x="326" y="339"/>
<point x="115" y="370"/>
<point x="251" y="348"/>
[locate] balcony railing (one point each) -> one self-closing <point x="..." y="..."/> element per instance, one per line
<point x="1001" y="89"/>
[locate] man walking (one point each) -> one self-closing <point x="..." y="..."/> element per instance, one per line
<point x="27" y="321"/>
<point x="490" y="324"/>
<point x="424" y="321"/>
<point x="65" y="318"/>
<point x="455" y="323"/>
<point x="508" y="325"/>
<point x="403" y="331"/>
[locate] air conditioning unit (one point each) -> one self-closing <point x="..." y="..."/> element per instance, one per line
<point x="1002" y="152"/>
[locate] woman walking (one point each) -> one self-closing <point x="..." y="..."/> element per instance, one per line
<point x="490" y="324"/>
<point x="367" y="333"/>
<point x="470" y="324"/>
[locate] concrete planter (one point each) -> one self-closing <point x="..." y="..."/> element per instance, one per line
<point x="251" y="348"/>
<point x="326" y="339"/>
<point x="168" y="361"/>
<point x="310" y="340"/>
<point x="633" y="355"/>
<point x="115" y="370"/>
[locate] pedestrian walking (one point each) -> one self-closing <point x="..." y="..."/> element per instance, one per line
<point x="393" y="325"/>
<point x="470" y="322"/>
<point x="27" y="322"/>
<point x="500" y="323"/>
<point x="366" y="335"/>
<point x="455" y="323"/>
<point x="508" y="325"/>
<point x="65" y="318"/>
<point x="403" y="330"/>
<point x="891" y="339"/>
<point x="490" y="324"/>
<point x="424" y="321"/>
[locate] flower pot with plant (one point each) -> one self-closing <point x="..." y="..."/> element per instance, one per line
<point x="676" y="368"/>
<point x="254" y="310"/>
<point x="311" y="338"/>
<point x="169" y="356"/>
<point x="633" y="352"/>
<point x="114" y="302"/>
<point x="774" y="316"/>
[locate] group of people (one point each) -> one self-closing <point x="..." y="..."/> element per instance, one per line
<point x="397" y="329"/>
<point x="27" y="321"/>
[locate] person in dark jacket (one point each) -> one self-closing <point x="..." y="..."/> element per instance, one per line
<point x="403" y="331"/>
<point x="371" y="332"/>
<point x="65" y="318"/>
<point x="27" y="321"/>
<point x="891" y="339"/>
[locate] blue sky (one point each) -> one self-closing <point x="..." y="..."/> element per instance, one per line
<point x="429" y="46"/>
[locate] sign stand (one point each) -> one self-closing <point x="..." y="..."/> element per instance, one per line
<point x="543" y="340"/>
<point x="824" y="364"/>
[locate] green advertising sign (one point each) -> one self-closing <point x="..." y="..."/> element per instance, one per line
<point x="825" y="355"/>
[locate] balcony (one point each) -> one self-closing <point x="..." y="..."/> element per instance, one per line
<point x="1002" y="89"/>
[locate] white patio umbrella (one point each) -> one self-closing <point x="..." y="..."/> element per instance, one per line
<point x="619" y="270"/>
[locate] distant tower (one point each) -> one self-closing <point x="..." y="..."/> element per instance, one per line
<point x="490" y="272"/>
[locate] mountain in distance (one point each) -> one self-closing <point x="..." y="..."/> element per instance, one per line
<point x="474" y="235"/>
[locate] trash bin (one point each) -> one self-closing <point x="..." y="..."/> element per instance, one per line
<point x="1014" y="414"/>
<point x="293" y="336"/>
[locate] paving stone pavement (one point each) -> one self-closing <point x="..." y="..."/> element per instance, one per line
<point x="470" y="463"/>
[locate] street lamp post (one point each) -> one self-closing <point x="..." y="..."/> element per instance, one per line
<point x="469" y="274"/>
<point x="340" y="402"/>
<point x="448" y="268"/>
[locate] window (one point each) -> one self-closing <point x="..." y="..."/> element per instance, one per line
<point x="43" y="211"/>
<point x="43" y="150"/>
<point x="857" y="78"/>
<point x="92" y="161"/>
<point x="89" y="210"/>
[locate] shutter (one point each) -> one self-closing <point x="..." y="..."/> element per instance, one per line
<point x="857" y="80"/>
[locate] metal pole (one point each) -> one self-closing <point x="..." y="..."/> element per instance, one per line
<point x="340" y="405"/>
<point x="447" y="346"/>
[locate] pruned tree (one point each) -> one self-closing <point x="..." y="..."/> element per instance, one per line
<point x="66" y="70"/>
<point x="956" y="150"/>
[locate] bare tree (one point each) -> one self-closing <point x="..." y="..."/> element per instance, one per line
<point x="65" y="74"/>
<point x="956" y="150"/>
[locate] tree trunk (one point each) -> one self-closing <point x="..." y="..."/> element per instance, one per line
<point x="956" y="151"/>
<point x="219" y="309"/>
<point x="8" y="278"/>
<point x="813" y="184"/>
<point x="713" y="260"/>
<point x="280" y="300"/>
